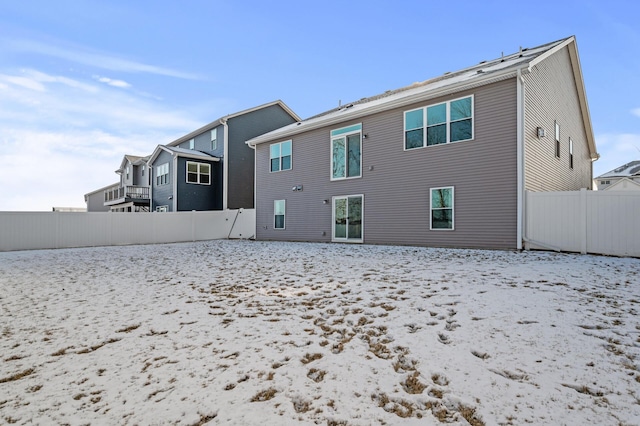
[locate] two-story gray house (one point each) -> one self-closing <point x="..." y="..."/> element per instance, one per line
<point x="444" y="162"/>
<point x="212" y="168"/>
<point x="130" y="194"/>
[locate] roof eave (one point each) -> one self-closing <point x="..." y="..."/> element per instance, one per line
<point x="395" y="103"/>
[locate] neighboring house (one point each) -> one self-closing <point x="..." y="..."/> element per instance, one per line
<point x="444" y="162"/>
<point x="131" y="194"/>
<point x="623" y="178"/>
<point x="212" y="168"/>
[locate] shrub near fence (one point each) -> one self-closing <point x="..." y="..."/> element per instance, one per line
<point x="599" y="222"/>
<point x="48" y="230"/>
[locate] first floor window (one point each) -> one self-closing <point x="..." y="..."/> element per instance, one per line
<point x="446" y="122"/>
<point x="162" y="209"/>
<point x="346" y="152"/>
<point x="162" y="174"/>
<point x="279" y="214"/>
<point x="280" y="156"/>
<point x="347" y="218"/>
<point x="442" y="208"/>
<point x="199" y="173"/>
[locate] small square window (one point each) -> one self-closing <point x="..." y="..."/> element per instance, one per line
<point x="280" y="156"/>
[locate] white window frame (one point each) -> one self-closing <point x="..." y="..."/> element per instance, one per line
<point x="333" y="220"/>
<point x="214" y="139"/>
<point x="557" y="138"/>
<point x="452" y="208"/>
<point x="447" y="123"/>
<point x="162" y="174"/>
<point x="162" y="209"/>
<point x="284" y="215"/>
<point x="344" y="133"/>
<point x="192" y="144"/>
<point x="280" y="156"/>
<point x="199" y="173"/>
<point x="570" y="153"/>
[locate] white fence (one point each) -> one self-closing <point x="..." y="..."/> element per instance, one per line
<point x="600" y="222"/>
<point x="47" y="230"/>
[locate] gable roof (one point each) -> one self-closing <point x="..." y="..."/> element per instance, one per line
<point x="181" y="152"/>
<point x="627" y="170"/>
<point x="133" y="159"/>
<point x="224" y="119"/>
<point x="484" y="73"/>
<point x="626" y="183"/>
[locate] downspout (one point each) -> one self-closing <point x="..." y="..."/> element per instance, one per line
<point x="520" y="93"/>
<point x="174" y="184"/>
<point x="225" y="165"/>
<point x="150" y="182"/>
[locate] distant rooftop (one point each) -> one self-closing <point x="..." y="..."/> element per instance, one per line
<point x="628" y="170"/>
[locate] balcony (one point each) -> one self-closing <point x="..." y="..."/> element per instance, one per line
<point x="126" y="194"/>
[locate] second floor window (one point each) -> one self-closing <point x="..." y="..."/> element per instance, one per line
<point x="162" y="174"/>
<point x="447" y="122"/>
<point x="280" y="156"/>
<point x="199" y="173"/>
<point x="346" y="152"/>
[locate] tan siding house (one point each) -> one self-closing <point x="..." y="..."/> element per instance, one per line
<point x="441" y="163"/>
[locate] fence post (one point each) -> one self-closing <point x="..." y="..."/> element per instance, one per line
<point x="583" y="220"/>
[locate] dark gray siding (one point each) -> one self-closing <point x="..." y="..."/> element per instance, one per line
<point x="396" y="183"/>
<point x="161" y="194"/>
<point x="241" y="156"/>
<point x="198" y="197"/>
<point x="202" y="143"/>
<point x="550" y="95"/>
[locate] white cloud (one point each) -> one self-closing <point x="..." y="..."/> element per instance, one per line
<point x="636" y="112"/>
<point x="86" y="56"/>
<point x="111" y="82"/>
<point x="62" y="138"/>
<point x="616" y="150"/>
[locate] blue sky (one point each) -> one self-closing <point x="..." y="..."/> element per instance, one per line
<point x="83" y="83"/>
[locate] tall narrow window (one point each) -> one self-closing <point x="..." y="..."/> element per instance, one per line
<point x="162" y="174"/>
<point x="442" y="123"/>
<point x="127" y="172"/>
<point x="442" y="208"/>
<point x="280" y="156"/>
<point x="557" y="139"/>
<point x="142" y="170"/>
<point x="279" y="207"/>
<point x="570" y="153"/>
<point x="199" y="173"/>
<point x="192" y="144"/>
<point x="346" y="152"/>
<point x="214" y="139"/>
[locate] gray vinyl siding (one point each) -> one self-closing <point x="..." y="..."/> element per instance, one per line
<point x="241" y="156"/>
<point x="195" y="196"/>
<point x="550" y="95"/>
<point x="95" y="202"/>
<point x="396" y="190"/>
<point x="162" y="193"/>
<point x="202" y="143"/>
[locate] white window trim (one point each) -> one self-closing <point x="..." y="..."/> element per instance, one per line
<point x="199" y="173"/>
<point x="556" y="148"/>
<point x="214" y="139"/>
<point x="280" y="157"/>
<point x="162" y="209"/>
<point x="162" y="170"/>
<point x="345" y="135"/>
<point x="333" y="220"/>
<point x="448" y="123"/>
<point x="192" y="144"/>
<point x="453" y="209"/>
<point x="284" y="222"/>
<point x="571" y="153"/>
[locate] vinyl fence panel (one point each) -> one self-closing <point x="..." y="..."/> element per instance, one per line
<point x="48" y="230"/>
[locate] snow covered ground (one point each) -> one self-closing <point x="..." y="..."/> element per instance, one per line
<point x="246" y="333"/>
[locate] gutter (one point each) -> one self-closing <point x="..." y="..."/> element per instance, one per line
<point x="225" y="164"/>
<point x="520" y="94"/>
